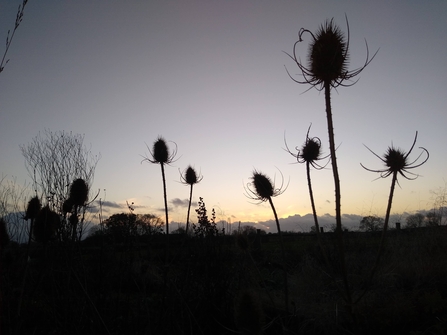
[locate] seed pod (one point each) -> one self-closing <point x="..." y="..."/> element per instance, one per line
<point x="160" y="151"/>
<point x="33" y="208"/>
<point x="328" y="55"/>
<point x="263" y="185"/>
<point x="79" y="192"/>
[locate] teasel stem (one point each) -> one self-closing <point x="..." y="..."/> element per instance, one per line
<point x="339" y="232"/>
<point x="165" y="199"/>
<point x="382" y="239"/>
<point x="189" y="209"/>
<point x="283" y="254"/>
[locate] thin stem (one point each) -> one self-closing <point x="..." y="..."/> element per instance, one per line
<point x="283" y="253"/>
<point x="165" y="197"/>
<point x="382" y="239"/>
<point x="339" y="232"/>
<point x="189" y="209"/>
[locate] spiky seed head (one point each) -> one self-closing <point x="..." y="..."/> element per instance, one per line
<point x="311" y="150"/>
<point x="79" y="192"/>
<point x="328" y="53"/>
<point x="33" y="208"/>
<point x="190" y="176"/>
<point x="248" y="312"/>
<point x="395" y="159"/>
<point x="263" y="185"/>
<point x="160" y="151"/>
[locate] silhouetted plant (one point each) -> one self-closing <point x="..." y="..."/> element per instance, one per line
<point x="4" y="236"/>
<point x="262" y="189"/>
<point x="54" y="160"/>
<point x="160" y="155"/>
<point x="45" y="225"/>
<point x="10" y="36"/>
<point x="206" y="227"/>
<point x="78" y="198"/>
<point x="310" y="154"/>
<point x="327" y="68"/>
<point x="371" y="223"/>
<point x="396" y="163"/>
<point x="32" y="210"/>
<point x="191" y="178"/>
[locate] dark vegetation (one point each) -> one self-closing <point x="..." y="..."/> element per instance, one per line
<point x="216" y="284"/>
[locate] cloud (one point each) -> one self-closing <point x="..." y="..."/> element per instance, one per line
<point x="176" y="202"/>
<point x="111" y="204"/>
<point x="298" y="223"/>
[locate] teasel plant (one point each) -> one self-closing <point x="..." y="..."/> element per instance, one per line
<point x="263" y="189"/>
<point x="32" y="211"/>
<point x="160" y="154"/>
<point x="327" y="68"/>
<point x="310" y="153"/>
<point x="78" y="198"/>
<point x="397" y="164"/>
<point x="190" y="177"/>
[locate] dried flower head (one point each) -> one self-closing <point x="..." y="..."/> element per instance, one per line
<point x="190" y="176"/>
<point x="310" y="152"/>
<point x="262" y="188"/>
<point x="33" y="208"/>
<point x="160" y="152"/>
<point x="328" y="57"/>
<point x="79" y="192"/>
<point x="396" y="161"/>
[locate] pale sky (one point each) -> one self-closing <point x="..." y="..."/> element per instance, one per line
<point x="210" y="76"/>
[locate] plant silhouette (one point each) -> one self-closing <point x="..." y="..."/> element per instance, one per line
<point x="160" y="155"/>
<point x="327" y="68"/>
<point x="262" y="189"/>
<point x="190" y="178"/>
<point x="396" y="163"/>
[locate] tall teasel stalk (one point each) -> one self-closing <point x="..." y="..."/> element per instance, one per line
<point x="262" y="189"/>
<point x="32" y="212"/>
<point x="327" y="68"/>
<point x="190" y="178"/>
<point x="160" y="155"/>
<point x="310" y="154"/>
<point x="78" y="197"/>
<point x="396" y="163"/>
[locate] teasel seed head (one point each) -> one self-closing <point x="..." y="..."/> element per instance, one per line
<point x="33" y="208"/>
<point x="396" y="161"/>
<point x="328" y="57"/>
<point x="262" y="188"/>
<point x="160" y="152"/>
<point x="79" y="192"/>
<point x="190" y="176"/>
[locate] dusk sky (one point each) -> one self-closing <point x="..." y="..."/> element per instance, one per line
<point x="211" y="77"/>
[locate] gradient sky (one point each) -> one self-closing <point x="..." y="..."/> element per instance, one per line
<point x="210" y="76"/>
